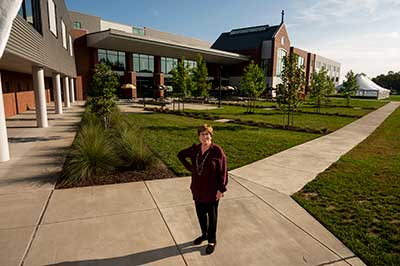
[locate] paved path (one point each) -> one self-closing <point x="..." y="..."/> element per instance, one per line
<point x="27" y="179"/>
<point x="154" y="222"/>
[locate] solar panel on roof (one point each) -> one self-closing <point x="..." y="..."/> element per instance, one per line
<point x="248" y="30"/>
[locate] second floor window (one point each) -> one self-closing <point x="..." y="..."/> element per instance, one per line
<point x="279" y="64"/>
<point x="30" y="11"/>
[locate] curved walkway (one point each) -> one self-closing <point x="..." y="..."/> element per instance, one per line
<point x="154" y="222"/>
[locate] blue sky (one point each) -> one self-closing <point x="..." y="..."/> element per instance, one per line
<point x="363" y="35"/>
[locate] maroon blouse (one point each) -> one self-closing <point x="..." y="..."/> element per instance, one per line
<point x="209" y="171"/>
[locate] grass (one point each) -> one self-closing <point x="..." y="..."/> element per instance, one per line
<point x="314" y="121"/>
<point x="167" y="134"/>
<point x="394" y="98"/>
<point x="358" y="197"/>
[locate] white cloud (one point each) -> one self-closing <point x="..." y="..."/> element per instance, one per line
<point x="372" y="54"/>
<point x="353" y="11"/>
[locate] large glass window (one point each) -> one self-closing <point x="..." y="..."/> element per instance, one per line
<point x="143" y="63"/>
<point x="279" y="66"/>
<point x="115" y="59"/>
<point x="190" y="64"/>
<point x="30" y="11"/>
<point x="167" y="64"/>
<point x="52" y="17"/>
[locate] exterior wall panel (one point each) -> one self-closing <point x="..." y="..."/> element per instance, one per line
<point x="10" y="107"/>
<point x="43" y="49"/>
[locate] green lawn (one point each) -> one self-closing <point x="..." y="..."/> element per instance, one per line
<point x="358" y="198"/>
<point x="167" y="134"/>
<point x="314" y="121"/>
<point x="363" y="103"/>
<point x="394" y="98"/>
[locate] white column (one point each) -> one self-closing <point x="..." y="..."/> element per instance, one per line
<point x="40" y="96"/>
<point x="72" y="90"/>
<point x="66" y="92"/>
<point x="57" y="93"/>
<point x="4" y="152"/>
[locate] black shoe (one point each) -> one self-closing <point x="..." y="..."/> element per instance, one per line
<point x="210" y="248"/>
<point x="199" y="240"/>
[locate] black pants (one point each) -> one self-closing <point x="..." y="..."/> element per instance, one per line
<point x="208" y="214"/>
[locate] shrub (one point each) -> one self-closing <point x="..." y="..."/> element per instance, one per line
<point x="91" y="154"/>
<point x="132" y="151"/>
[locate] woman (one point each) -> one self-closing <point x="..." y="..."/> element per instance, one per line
<point x="209" y="179"/>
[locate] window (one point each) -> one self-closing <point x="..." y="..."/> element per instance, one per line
<point x="143" y="63"/>
<point x="30" y="11"/>
<point x="115" y="59"/>
<point x="190" y="64"/>
<point x="138" y="31"/>
<point x="279" y="65"/>
<point x="71" y="47"/>
<point x="300" y="62"/>
<point x="283" y="40"/>
<point x="77" y="25"/>
<point x="167" y="64"/>
<point x="52" y="17"/>
<point x="64" y="34"/>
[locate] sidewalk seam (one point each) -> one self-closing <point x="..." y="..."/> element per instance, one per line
<point x="166" y="224"/>
<point x="288" y="219"/>
<point x="36" y="229"/>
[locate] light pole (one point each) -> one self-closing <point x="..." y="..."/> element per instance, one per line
<point x="220" y="79"/>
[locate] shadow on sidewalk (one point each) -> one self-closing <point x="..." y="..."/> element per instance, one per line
<point x="140" y="258"/>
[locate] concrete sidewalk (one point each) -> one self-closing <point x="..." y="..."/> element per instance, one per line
<point x="154" y="222"/>
<point x="27" y="179"/>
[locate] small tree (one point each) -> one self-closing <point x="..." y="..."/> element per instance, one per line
<point x="253" y="84"/>
<point x="321" y="85"/>
<point x="293" y="80"/>
<point x="350" y="86"/>
<point x="102" y="92"/>
<point x="200" y="78"/>
<point x="181" y="79"/>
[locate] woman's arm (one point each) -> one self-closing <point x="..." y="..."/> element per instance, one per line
<point x="222" y="173"/>
<point x="183" y="155"/>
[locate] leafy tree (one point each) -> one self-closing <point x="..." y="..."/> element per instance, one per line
<point x="253" y="84"/>
<point x="200" y="78"/>
<point x="293" y="81"/>
<point x="389" y="81"/>
<point x="102" y="92"/>
<point x="321" y="85"/>
<point x="350" y="86"/>
<point x="181" y="81"/>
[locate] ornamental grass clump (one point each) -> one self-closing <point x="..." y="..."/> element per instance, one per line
<point x="92" y="154"/>
<point x="132" y="151"/>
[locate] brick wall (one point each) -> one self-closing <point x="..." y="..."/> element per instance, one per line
<point x="10" y="107"/>
<point x="25" y="100"/>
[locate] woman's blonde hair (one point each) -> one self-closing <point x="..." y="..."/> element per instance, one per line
<point x="205" y="127"/>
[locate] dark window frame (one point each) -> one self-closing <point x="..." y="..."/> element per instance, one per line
<point x="36" y="15"/>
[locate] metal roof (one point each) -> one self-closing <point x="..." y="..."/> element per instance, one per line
<point x="123" y="41"/>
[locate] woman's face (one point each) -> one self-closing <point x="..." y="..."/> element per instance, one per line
<point x="205" y="137"/>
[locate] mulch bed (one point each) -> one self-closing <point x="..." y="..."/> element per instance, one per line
<point x="157" y="171"/>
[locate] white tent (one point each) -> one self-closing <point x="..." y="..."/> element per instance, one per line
<point x="370" y="89"/>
